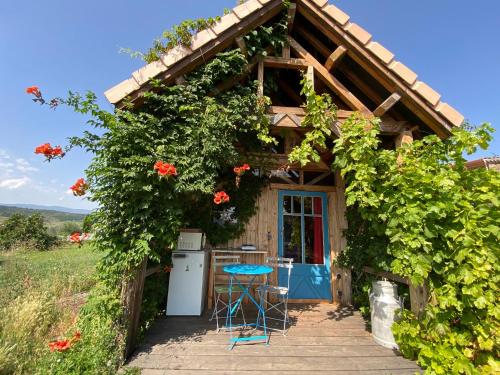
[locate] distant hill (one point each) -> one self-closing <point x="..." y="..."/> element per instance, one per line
<point x="48" y="208"/>
<point x="50" y="213"/>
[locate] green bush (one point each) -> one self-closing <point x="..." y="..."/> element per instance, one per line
<point x="25" y="231"/>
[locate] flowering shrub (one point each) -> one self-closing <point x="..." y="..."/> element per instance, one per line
<point x="79" y="188"/>
<point x="49" y="152"/>
<point x="65" y="344"/>
<point x="78" y="238"/>
<point x="38" y="98"/>
<point x="221" y="197"/>
<point x="165" y="169"/>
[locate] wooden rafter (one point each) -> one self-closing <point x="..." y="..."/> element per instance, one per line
<point x="329" y="79"/>
<point x="335" y="57"/>
<point x="387" y="104"/>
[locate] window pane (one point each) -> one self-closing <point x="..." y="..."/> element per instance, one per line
<point x="308" y="209"/>
<point x="287" y="204"/>
<point x="318" y="206"/>
<point x="292" y="238"/>
<point x="297" y="207"/>
<point x="313" y="233"/>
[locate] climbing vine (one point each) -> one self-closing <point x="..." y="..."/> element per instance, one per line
<point x="440" y="223"/>
<point x="321" y="114"/>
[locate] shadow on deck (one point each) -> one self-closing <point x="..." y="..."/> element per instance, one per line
<point x="322" y="338"/>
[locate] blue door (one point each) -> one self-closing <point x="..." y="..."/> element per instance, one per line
<point x="303" y="236"/>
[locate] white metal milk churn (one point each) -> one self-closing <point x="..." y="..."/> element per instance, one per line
<point x="384" y="302"/>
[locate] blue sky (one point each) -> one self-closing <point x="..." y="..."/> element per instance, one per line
<point x="60" y="45"/>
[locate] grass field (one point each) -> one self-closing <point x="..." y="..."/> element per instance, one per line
<point x="40" y="294"/>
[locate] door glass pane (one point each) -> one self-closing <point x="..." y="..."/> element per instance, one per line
<point x="297" y="206"/>
<point x="308" y="206"/>
<point x="313" y="238"/>
<point x="318" y="206"/>
<point x="287" y="204"/>
<point x="292" y="242"/>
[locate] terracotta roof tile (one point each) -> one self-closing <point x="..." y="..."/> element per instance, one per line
<point x="358" y="32"/>
<point x="246" y="8"/>
<point x="121" y="90"/>
<point x="175" y="54"/>
<point x="381" y="52"/>
<point x="225" y="23"/>
<point x="427" y="92"/>
<point x="450" y="113"/>
<point x="321" y="3"/>
<point x="405" y="73"/>
<point x="202" y="38"/>
<point x="149" y="71"/>
<point x="336" y="14"/>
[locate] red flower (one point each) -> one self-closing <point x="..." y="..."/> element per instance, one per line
<point x="34" y="90"/>
<point x="60" y="346"/>
<point x="221" y="197"/>
<point x="75" y="237"/>
<point x="79" y="188"/>
<point x="241" y="170"/>
<point x="49" y="152"/>
<point x="165" y="169"/>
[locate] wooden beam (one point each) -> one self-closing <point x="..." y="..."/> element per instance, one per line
<point x="260" y="78"/>
<point x="299" y="111"/>
<point x="329" y="79"/>
<point x="319" y="178"/>
<point x="240" y="42"/>
<point x="281" y="62"/>
<point x="387" y="104"/>
<point x="335" y="57"/>
<point x="303" y="187"/>
<point x="313" y="41"/>
<point x="292" y="10"/>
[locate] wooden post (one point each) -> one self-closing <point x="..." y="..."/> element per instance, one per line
<point x="260" y="77"/>
<point x="131" y="297"/>
<point x="419" y="296"/>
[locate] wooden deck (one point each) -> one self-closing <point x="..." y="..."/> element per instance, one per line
<point x="323" y="339"/>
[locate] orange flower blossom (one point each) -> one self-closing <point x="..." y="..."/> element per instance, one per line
<point x="221" y="197"/>
<point x="79" y="188"/>
<point x="165" y="169"/>
<point x="49" y="152"/>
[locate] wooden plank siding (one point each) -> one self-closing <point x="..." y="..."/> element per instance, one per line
<point x="262" y="231"/>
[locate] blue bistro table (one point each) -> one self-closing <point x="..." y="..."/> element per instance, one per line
<point x="252" y="270"/>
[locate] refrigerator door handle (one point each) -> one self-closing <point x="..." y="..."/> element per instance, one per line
<point x="187" y="267"/>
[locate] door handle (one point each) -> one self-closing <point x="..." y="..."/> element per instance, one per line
<point x="187" y="268"/>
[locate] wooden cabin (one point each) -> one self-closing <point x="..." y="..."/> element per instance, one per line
<point x="301" y="211"/>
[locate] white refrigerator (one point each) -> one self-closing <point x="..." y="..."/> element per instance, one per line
<point x="188" y="282"/>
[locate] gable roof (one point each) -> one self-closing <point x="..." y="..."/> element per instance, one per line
<point x="333" y="22"/>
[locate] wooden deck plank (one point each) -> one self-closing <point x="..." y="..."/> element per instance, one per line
<point x="322" y="339"/>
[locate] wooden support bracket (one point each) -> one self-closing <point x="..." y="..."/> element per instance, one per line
<point x="387" y="104"/>
<point x="335" y="57"/>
